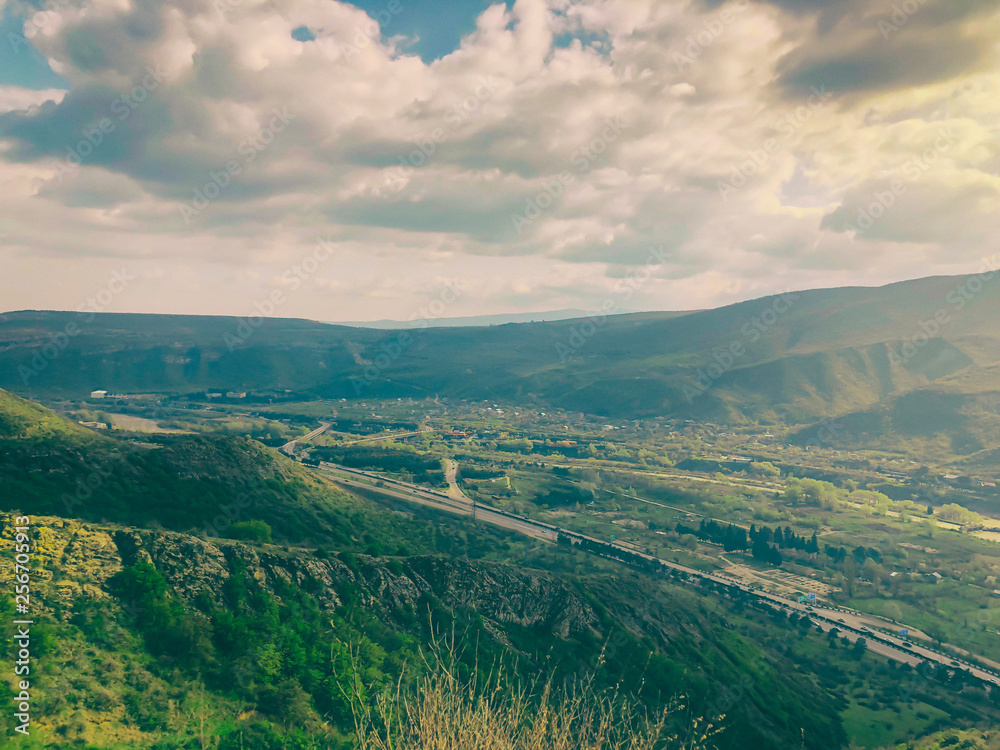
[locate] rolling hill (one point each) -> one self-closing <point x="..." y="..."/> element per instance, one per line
<point x="789" y="359"/>
<point x="50" y="466"/>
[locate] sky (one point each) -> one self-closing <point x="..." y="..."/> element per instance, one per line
<point x="402" y="159"/>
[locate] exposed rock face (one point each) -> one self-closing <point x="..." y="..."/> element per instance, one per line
<point x="83" y="557"/>
<point x="506" y="594"/>
<point x="499" y="593"/>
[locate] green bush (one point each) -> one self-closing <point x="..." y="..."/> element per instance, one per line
<point x="249" y="531"/>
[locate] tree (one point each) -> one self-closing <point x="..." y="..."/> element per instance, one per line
<point x="874" y="573"/>
<point x="959" y="514"/>
<point x="812" y="492"/>
<point x="251" y="531"/>
<point x="812" y="546"/>
<point x="739" y="540"/>
<point x="774" y="556"/>
<point x="759" y="549"/>
<point x="765" y="469"/>
<point x="850" y="576"/>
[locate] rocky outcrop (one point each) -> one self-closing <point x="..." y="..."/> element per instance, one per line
<point x="506" y="594"/>
<point x="76" y="559"/>
<point x="500" y="593"/>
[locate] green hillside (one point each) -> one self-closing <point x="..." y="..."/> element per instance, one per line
<point x="791" y="359"/>
<point x="206" y="591"/>
<point x="184" y="638"/>
<point x="172" y="641"/>
<point x="206" y="485"/>
<point x="24" y="421"/>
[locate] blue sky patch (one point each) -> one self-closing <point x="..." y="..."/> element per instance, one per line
<point x="20" y="63"/>
<point x="438" y="25"/>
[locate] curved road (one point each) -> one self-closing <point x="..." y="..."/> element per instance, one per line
<point x="289" y="447"/>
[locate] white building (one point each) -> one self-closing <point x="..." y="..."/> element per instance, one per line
<point x="98" y="394"/>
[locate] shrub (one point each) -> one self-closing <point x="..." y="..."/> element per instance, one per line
<point x="442" y="710"/>
<point x="249" y="531"/>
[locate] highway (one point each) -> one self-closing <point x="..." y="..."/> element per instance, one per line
<point x="450" y="474"/>
<point x="388" y="436"/>
<point x="853" y="625"/>
<point x="431" y="499"/>
<point x="289" y="448"/>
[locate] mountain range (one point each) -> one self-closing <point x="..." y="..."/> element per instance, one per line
<point x="472" y="320"/>
<point x="914" y="358"/>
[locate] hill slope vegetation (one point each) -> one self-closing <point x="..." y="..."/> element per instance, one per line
<point x="182" y="638"/>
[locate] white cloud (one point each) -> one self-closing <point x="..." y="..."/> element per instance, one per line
<point x="17" y="98"/>
<point x="409" y="165"/>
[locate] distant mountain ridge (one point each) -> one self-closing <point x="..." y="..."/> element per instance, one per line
<point x="473" y="320"/>
<point x="786" y="359"/>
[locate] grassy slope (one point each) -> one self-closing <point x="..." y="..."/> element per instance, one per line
<point x="147" y="672"/>
<point x="183" y="482"/>
<point x="674" y="639"/>
<point x="827" y="352"/>
<point x="49" y="466"/>
<point x="22" y="420"/>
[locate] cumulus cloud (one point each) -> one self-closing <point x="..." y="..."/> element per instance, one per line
<point x="865" y="46"/>
<point x="558" y="144"/>
<point x="17" y="98"/>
